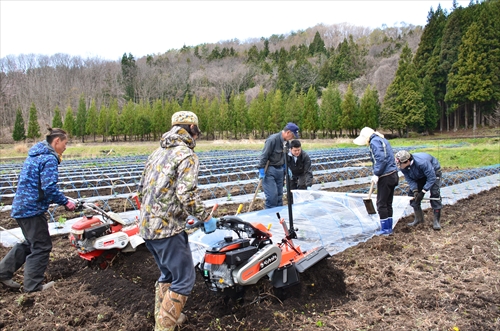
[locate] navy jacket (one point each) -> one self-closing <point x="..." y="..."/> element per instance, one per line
<point x="422" y="166"/>
<point x="382" y="156"/>
<point x="37" y="186"/>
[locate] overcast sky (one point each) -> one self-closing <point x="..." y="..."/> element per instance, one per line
<point x="107" y="29"/>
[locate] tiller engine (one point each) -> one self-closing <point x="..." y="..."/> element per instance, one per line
<point x="237" y="261"/>
<point x="100" y="239"/>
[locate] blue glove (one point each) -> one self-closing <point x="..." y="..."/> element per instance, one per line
<point x="210" y="225"/>
<point x="290" y="173"/>
<point x="262" y="173"/>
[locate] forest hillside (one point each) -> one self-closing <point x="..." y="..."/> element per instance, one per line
<point x="330" y="79"/>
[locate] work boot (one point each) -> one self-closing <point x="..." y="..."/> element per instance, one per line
<point x="419" y="216"/>
<point x="171" y="310"/>
<point x="437" y="217"/>
<point x="10" y="284"/>
<point x="160" y="290"/>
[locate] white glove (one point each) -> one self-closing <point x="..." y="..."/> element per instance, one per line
<point x="374" y="179"/>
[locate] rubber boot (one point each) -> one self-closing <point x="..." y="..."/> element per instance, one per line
<point x="388" y="226"/>
<point x="170" y="310"/>
<point x="419" y="216"/>
<point x="383" y="226"/>
<point x="437" y="217"/>
<point x="160" y="290"/>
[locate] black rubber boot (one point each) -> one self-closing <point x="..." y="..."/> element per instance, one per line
<point x="437" y="217"/>
<point x="419" y="216"/>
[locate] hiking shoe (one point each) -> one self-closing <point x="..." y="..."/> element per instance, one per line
<point x="10" y="283"/>
<point x="47" y="286"/>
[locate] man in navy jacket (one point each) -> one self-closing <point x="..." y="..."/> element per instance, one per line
<point x="385" y="173"/>
<point x="422" y="171"/>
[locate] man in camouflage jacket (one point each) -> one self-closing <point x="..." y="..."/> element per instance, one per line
<point x="168" y="189"/>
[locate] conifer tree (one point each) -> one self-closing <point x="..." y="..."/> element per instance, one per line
<point x="240" y="111"/>
<point x="57" y="119"/>
<point x="92" y="120"/>
<point x="19" y="132"/>
<point x="349" y="108"/>
<point x="69" y="122"/>
<point x="143" y="122"/>
<point x="212" y="126"/>
<point x="431" y="115"/>
<point x="253" y="54"/>
<point x="115" y="125"/>
<point x="311" y="112"/>
<point x="403" y="106"/>
<point x="81" y="119"/>
<point x="317" y="45"/>
<point x="331" y="109"/>
<point x="477" y="78"/>
<point x="293" y="107"/>
<point x="223" y="123"/>
<point x="203" y="118"/>
<point x="268" y="124"/>
<point x="33" y="126"/>
<point x="284" y="78"/>
<point x="436" y="21"/>
<point x="231" y="116"/>
<point x="129" y="74"/>
<point x="255" y="114"/>
<point x="276" y="111"/>
<point x="103" y="123"/>
<point x="369" y="109"/>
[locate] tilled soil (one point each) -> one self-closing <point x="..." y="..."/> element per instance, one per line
<point x="416" y="279"/>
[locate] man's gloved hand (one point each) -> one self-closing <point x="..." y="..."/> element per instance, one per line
<point x="262" y="173"/>
<point x="70" y="205"/>
<point x="374" y="179"/>
<point x="309" y="188"/>
<point x="290" y="173"/>
<point x="418" y="196"/>
<point x="210" y="225"/>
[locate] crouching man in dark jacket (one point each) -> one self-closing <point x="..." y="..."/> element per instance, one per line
<point x="422" y="171"/>
<point x="299" y="163"/>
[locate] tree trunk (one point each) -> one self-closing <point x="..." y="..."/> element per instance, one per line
<point x="442" y="115"/>
<point x="466" y="117"/>
<point x="455" y="125"/>
<point x="474" y="123"/>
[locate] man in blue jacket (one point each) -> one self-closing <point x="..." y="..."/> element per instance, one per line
<point x="422" y="171"/>
<point x="385" y="173"/>
<point x="36" y="190"/>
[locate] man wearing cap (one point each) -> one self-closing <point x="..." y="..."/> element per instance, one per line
<point x="385" y="173"/>
<point x="273" y="155"/>
<point x="168" y="189"/>
<point x="422" y="171"/>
